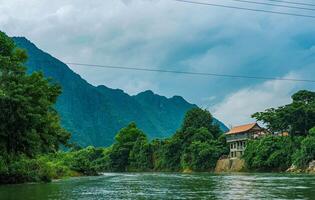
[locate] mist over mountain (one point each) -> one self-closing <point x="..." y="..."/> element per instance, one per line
<point x="94" y="114"/>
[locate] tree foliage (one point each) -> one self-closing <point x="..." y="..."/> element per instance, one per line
<point x="29" y="122"/>
<point x="197" y="118"/>
<point x="271" y="153"/>
<point x="296" y="118"/>
<point x="306" y="153"/>
<point x="195" y="146"/>
<point x="279" y="153"/>
<point x="131" y="149"/>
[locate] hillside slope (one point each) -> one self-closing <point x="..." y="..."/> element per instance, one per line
<point x="94" y="114"/>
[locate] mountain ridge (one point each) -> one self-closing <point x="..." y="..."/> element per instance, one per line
<point x="93" y="114"/>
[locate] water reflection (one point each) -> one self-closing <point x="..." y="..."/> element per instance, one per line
<point x="168" y="186"/>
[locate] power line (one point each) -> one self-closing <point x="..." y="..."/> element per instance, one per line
<point x="245" y="8"/>
<point x="190" y="73"/>
<point x="291" y="2"/>
<point x="271" y="4"/>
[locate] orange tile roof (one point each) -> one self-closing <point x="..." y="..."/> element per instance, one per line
<point x="242" y="128"/>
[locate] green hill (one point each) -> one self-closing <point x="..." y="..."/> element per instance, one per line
<point x="94" y="114"/>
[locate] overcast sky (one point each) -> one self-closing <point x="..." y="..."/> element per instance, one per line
<point x="170" y="35"/>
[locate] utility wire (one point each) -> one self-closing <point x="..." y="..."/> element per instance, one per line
<point x="276" y="5"/>
<point x="191" y="73"/>
<point x="291" y="2"/>
<point x="245" y="8"/>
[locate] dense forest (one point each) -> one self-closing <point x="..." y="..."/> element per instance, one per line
<point x="35" y="147"/>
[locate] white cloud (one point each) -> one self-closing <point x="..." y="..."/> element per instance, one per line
<point x="238" y="107"/>
<point x="169" y="35"/>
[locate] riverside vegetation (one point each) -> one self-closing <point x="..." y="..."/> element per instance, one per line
<point x="278" y="153"/>
<point x="32" y="137"/>
<point x="31" y="134"/>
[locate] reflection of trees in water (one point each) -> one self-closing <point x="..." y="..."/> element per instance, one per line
<point x="168" y="186"/>
<point x="32" y="191"/>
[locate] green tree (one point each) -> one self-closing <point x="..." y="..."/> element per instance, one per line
<point x="201" y="156"/>
<point x="271" y="153"/>
<point x="29" y="122"/>
<point x="296" y="118"/>
<point x="140" y="157"/>
<point x="197" y="118"/>
<point x="195" y="146"/>
<point x="125" y="142"/>
<point x="306" y="152"/>
<point x="169" y="154"/>
<point x="86" y="160"/>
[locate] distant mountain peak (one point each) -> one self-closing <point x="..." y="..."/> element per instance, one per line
<point x="21" y="38"/>
<point x="108" y="88"/>
<point x="146" y="92"/>
<point x="150" y="93"/>
<point x="178" y="98"/>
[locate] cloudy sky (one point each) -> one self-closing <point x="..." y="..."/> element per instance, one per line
<point x="170" y="35"/>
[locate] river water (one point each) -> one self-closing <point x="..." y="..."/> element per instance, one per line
<point x="168" y="186"/>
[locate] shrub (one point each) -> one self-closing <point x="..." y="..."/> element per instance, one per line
<point x="271" y="153"/>
<point x="22" y="169"/>
<point x="89" y="161"/>
<point x="201" y="156"/>
<point x="306" y="153"/>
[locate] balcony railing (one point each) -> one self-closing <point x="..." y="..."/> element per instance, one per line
<point x="236" y="137"/>
<point x="238" y="149"/>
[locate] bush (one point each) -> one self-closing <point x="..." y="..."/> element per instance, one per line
<point x="22" y="169"/>
<point x="89" y="161"/>
<point x="44" y="168"/>
<point x="201" y="156"/>
<point x="167" y="156"/>
<point x="3" y="166"/>
<point x="312" y="132"/>
<point x="140" y="157"/>
<point x="271" y="153"/>
<point x="306" y="153"/>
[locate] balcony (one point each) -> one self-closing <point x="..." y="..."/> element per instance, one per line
<point x="237" y="137"/>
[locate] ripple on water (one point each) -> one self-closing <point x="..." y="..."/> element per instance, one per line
<point x="169" y="186"/>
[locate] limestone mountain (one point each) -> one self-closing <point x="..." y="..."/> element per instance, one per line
<point x="94" y="114"/>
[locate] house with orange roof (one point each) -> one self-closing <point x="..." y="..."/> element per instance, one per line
<point x="238" y="137"/>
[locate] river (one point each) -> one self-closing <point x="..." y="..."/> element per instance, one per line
<point x="168" y="186"/>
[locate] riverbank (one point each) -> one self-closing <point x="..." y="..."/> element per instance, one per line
<point x="46" y="167"/>
<point x="310" y="169"/>
<point x="238" y="165"/>
<point x="64" y="165"/>
<point x="230" y="165"/>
